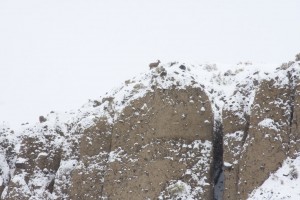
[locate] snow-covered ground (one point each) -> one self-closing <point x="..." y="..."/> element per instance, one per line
<point x="55" y="55"/>
<point x="283" y="184"/>
<point x="218" y="80"/>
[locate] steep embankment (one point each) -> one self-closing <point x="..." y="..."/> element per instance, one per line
<point x="160" y="136"/>
<point x="259" y="144"/>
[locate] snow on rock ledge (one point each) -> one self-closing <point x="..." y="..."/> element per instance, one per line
<point x="282" y="184"/>
<point x="161" y="120"/>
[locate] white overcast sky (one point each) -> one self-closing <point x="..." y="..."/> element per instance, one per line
<point x="57" y="54"/>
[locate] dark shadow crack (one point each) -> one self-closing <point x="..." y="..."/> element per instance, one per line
<point x="291" y="103"/>
<point x="217" y="169"/>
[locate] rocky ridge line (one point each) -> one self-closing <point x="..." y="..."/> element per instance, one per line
<point x="158" y="136"/>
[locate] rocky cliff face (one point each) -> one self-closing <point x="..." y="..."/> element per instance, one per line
<point x="266" y="138"/>
<point x="177" y="132"/>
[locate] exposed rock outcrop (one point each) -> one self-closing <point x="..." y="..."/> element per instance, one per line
<point x="152" y="144"/>
<point x="259" y="145"/>
<point x="162" y="135"/>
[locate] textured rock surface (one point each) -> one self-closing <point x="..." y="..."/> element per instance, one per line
<point x="259" y="145"/>
<point x="158" y="139"/>
<point x="156" y="144"/>
<point x="235" y="132"/>
<point x="159" y="136"/>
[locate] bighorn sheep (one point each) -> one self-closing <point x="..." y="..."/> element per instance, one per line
<point x="153" y="65"/>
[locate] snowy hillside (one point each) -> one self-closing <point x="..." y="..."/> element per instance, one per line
<point x="282" y="184"/>
<point x="27" y="155"/>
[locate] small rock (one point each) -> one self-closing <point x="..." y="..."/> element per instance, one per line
<point x="182" y="67"/>
<point x="42" y="119"/>
<point x="96" y="103"/>
<point x="298" y="57"/>
<point x="163" y="74"/>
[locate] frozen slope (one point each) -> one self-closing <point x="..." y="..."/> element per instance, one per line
<point x="282" y="184"/>
<point x="39" y="161"/>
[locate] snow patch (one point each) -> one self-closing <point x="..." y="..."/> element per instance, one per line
<point x="270" y="124"/>
<point x="283" y="184"/>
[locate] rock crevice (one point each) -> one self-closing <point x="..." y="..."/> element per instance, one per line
<point x="166" y="135"/>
